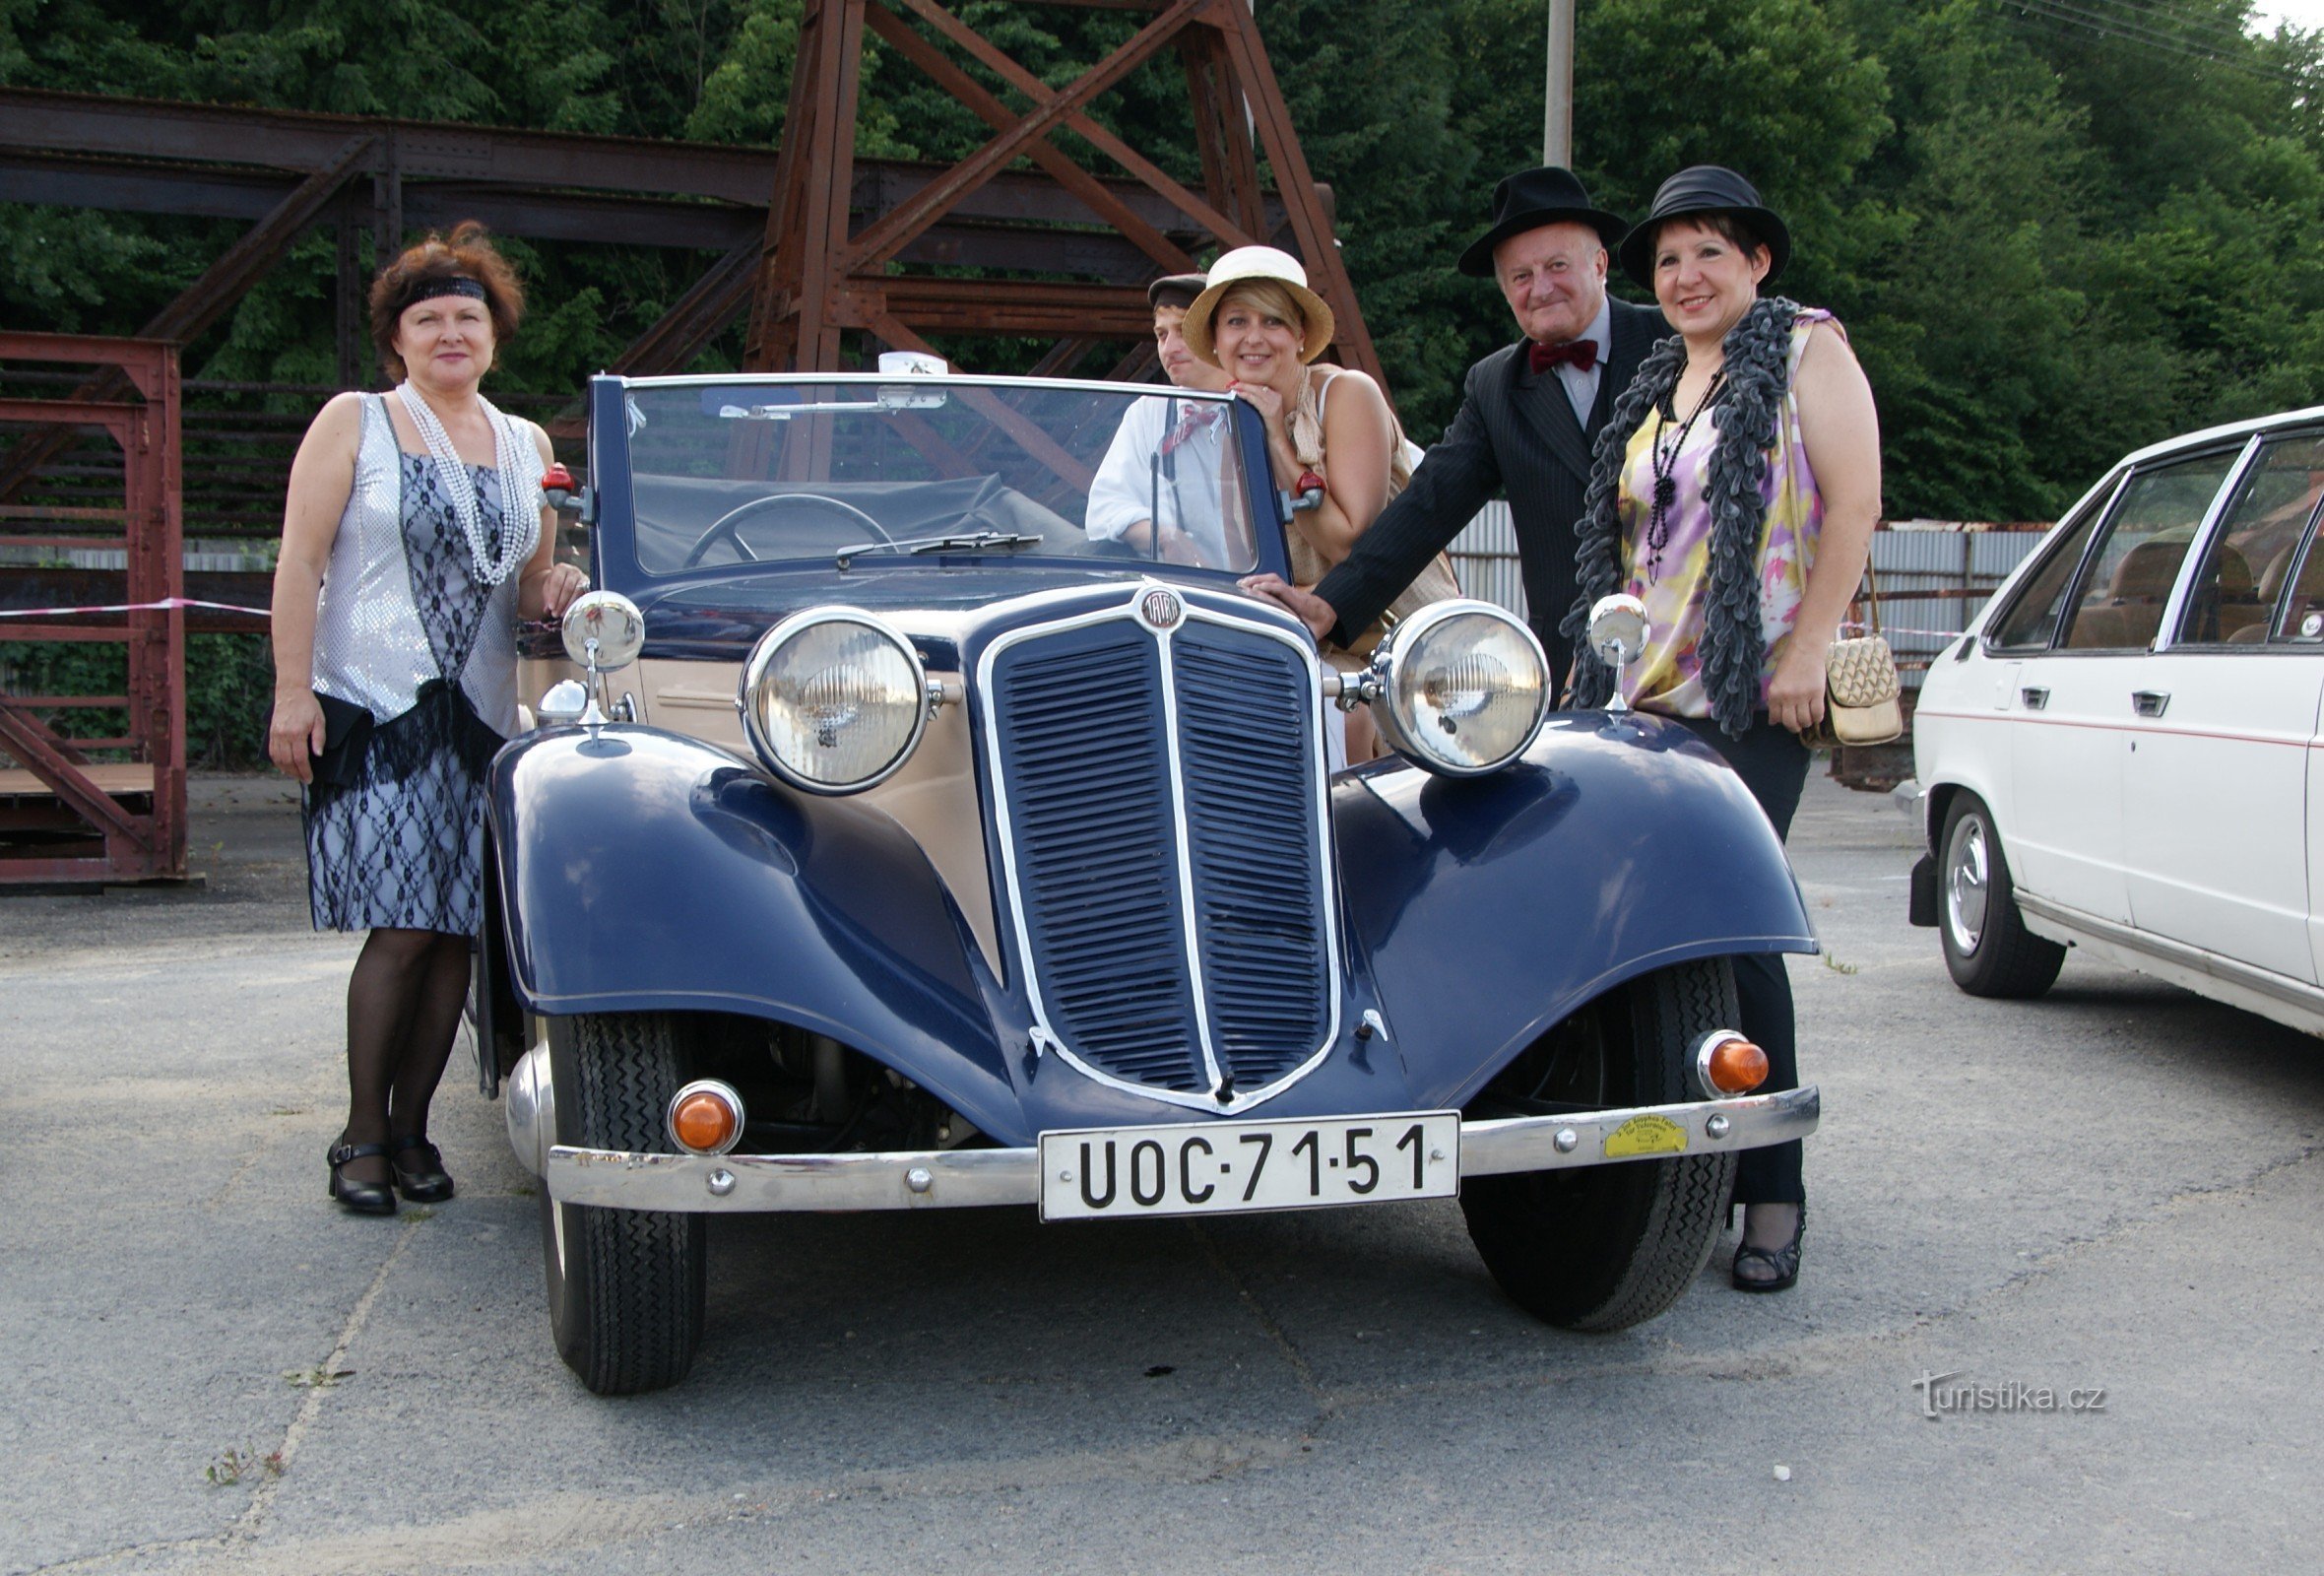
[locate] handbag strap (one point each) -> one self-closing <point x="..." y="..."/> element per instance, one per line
<point x="1871" y="584"/>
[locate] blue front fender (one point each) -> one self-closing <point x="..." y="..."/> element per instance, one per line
<point x="641" y="871"/>
<point x="1488" y="909"/>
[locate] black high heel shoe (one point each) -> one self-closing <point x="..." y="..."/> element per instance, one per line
<point x="1784" y="1260"/>
<point x="358" y="1198"/>
<point x="423" y="1181"/>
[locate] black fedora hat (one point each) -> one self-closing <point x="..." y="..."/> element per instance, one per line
<point x="1529" y="199"/>
<point x="1704" y="189"/>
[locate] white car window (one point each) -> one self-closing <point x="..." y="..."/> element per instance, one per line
<point x="2119" y="604"/>
<point x="2252" y="558"/>
<point x="2032" y="622"/>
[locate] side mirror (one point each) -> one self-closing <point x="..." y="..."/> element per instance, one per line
<point x="1618" y="634"/>
<point x="604" y="630"/>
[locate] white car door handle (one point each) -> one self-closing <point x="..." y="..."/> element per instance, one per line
<point x="2149" y="703"/>
<point x="2033" y="696"/>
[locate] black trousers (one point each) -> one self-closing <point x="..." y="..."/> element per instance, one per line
<point x="1774" y="765"/>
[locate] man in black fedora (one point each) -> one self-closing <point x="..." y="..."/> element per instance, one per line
<point x="1527" y="417"/>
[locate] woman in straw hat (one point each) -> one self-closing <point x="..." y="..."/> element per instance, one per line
<point x="1333" y="442"/>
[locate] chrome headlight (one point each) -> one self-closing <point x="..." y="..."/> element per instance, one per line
<point x="833" y="700"/>
<point x="1462" y="688"/>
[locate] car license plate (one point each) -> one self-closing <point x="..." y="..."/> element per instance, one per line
<point x="1229" y="1168"/>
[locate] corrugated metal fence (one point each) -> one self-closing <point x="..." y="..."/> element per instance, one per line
<point x="1934" y="574"/>
<point x="1485" y="559"/>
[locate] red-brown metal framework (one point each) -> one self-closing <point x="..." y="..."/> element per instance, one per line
<point x="64" y="819"/>
<point x="821" y="274"/>
<point x="286" y="171"/>
<point x="1059" y="251"/>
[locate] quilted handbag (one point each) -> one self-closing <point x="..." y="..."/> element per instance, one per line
<point x="1862" y="703"/>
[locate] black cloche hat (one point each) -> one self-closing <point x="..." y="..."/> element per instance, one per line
<point x="1529" y="199"/>
<point x="1704" y="189"/>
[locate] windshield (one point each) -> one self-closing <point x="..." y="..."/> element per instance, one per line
<point x="745" y="472"/>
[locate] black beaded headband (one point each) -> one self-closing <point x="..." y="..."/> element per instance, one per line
<point x="442" y="284"/>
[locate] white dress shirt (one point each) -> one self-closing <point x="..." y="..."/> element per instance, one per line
<point x="1186" y="491"/>
<point x="1582" y="387"/>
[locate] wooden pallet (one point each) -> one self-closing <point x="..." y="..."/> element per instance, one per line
<point x="118" y="778"/>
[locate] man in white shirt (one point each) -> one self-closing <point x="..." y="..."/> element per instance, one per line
<point x="1168" y="458"/>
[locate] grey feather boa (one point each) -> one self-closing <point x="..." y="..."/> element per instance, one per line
<point x="1758" y="352"/>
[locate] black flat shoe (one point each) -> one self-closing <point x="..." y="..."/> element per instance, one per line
<point x="358" y="1198"/>
<point x="420" y="1179"/>
<point x="1784" y="1260"/>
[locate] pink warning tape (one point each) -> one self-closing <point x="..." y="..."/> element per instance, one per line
<point x="163" y="606"/>
<point x="1894" y="628"/>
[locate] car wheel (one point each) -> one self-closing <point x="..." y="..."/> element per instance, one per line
<point x="1606" y="1246"/>
<point x="1987" y="948"/>
<point x="626" y="1287"/>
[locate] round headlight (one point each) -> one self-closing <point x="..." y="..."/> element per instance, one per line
<point x="834" y="700"/>
<point x="1463" y="688"/>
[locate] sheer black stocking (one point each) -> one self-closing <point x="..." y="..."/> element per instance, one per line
<point x="427" y="1039"/>
<point x="403" y="1009"/>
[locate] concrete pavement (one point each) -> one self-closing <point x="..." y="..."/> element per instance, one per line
<point x="2117" y="1186"/>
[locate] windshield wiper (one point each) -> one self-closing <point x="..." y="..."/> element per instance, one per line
<point x="956" y="542"/>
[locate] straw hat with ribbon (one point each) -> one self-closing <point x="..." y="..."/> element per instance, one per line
<point x="1246" y="265"/>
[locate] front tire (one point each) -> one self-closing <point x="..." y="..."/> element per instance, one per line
<point x="1988" y="950"/>
<point x="627" y="1288"/>
<point x="1605" y="1247"/>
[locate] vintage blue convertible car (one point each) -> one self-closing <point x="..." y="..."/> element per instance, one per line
<point x="909" y="823"/>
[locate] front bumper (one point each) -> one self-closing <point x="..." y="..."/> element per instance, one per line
<point x="937" y="1179"/>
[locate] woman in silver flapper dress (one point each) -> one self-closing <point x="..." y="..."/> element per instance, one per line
<point x="413" y="539"/>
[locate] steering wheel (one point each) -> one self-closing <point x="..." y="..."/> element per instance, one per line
<point x="730" y="523"/>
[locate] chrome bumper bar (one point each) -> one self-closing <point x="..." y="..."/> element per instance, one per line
<point x="937" y="1179"/>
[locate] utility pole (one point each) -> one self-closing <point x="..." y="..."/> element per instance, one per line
<point x="1557" y="107"/>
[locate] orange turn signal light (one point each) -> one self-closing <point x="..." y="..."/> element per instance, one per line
<point x="705" y="1117"/>
<point x="1729" y="1064"/>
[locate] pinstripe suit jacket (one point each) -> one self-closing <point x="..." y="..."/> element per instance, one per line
<point x="1514" y="434"/>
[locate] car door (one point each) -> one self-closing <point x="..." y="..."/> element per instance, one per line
<point x="2215" y="778"/>
<point x="2298" y="625"/>
<point x="1974" y="685"/>
<point x="2072" y="714"/>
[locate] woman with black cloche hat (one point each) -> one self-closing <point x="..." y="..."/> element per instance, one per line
<point x="1734" y="492"/>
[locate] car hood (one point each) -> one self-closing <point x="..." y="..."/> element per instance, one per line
<point x="721" y="618"/>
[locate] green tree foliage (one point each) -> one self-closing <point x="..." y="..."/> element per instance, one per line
<point x="2053" y="232"/>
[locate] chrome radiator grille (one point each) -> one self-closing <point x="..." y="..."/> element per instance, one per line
<point x="1163" y="845"/>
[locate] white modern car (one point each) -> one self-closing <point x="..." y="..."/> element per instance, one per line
<point x="2121" y="753"/>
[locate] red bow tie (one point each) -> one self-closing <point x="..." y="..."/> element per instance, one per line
<point x="1197" y="419"/>
<point x="1582" y="352"/>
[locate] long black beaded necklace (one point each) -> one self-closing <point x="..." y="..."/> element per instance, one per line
<point x="1664" y="463"/>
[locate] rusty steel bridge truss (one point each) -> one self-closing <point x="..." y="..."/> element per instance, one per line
<point x="1050" y="230"/>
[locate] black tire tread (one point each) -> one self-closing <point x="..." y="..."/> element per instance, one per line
<point x="1527" y="1227"/>
<point x="1690" y="1199"/>
<point x="2011" y="962"/>
<point x="643" y="1272"/>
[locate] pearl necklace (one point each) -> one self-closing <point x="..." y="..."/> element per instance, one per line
<point x="520" y="528"/>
